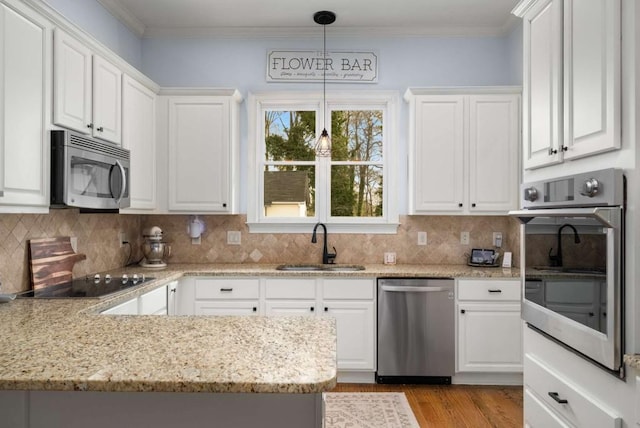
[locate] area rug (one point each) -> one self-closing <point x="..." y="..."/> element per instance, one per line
<point x="368" y="410"/>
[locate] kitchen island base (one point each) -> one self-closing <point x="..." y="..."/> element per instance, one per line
<point x="81" y="409"/>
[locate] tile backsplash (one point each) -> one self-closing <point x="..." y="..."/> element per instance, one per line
<point x="98" y="238"/>
<point x="443" y="241"/>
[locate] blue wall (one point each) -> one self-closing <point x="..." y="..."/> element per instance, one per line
<point x="93" y="18"/>
<point x="403" y="61"/>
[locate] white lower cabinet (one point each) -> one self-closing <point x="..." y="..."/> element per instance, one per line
<point x="227" y="296"/>
<point x="349" y="301"/>
<point x="552" y="400"/>
<point x="489" y="326"/>
<point x="355" y="323"/>
<point x="154" y="302"/>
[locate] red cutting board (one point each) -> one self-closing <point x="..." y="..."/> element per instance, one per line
<point x="51" y="261"/>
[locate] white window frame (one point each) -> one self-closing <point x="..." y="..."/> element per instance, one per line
<point x="387" y="101"/>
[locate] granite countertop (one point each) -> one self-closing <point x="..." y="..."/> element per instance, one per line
<point x="64" y="344"/>
<point x="633" y="361"/>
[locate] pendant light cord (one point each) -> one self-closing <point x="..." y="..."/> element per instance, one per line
<point x="324" y="75"/>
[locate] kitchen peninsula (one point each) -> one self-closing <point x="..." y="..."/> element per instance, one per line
<point x="58" y="355"/>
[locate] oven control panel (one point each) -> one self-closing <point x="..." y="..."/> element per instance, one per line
<point x="597" y="188"/>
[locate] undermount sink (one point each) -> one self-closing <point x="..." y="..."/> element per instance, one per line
<point x="559" y="269"/>
<point x="320" y="268"/>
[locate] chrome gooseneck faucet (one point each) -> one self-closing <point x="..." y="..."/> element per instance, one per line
<point x="557" y="259"/>
<point x="327" y="257"/>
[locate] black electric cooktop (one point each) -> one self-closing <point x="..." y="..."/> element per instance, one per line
<point x="90" y="286"/>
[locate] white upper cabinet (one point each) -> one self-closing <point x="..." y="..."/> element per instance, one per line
<point x="463" y="153"/>
<point x="87" y="90"/>
<point x="572" y="75"/>
<point x="25" y="113"/>
<point x="591" y="77"/>
<point x="139" y="136"/>
<point x="494" y="140"/>
<point x="201" y="151"/>
<point x="107" y="100"/>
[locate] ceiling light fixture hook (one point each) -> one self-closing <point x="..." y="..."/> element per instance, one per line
<point x="324" y="18"/>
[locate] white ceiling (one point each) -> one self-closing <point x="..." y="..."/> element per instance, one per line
<point x="284" y="17"/>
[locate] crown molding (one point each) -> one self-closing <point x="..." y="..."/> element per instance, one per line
<point x="522" y="7"/>
<point x="124" y="15"/>
<point x="273" y="32"/>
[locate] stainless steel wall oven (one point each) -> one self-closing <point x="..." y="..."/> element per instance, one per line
<point x="572" y="263"/>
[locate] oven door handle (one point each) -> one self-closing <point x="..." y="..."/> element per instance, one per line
<point x="607" y="216"/>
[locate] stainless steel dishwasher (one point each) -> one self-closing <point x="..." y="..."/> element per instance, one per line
<point x="416" y="337"/>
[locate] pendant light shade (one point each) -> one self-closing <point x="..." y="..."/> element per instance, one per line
<point x="323" y="144"/>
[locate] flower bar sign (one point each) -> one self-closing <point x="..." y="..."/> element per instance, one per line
<point x="308" y="66"/>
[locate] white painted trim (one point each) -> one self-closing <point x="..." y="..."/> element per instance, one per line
<point x="202" y="91"/>
<point x="522" y="8"/>
<point x="119" y="11"/>
<point x="461" y="90"/>
<point x="252" y="32"/>
<point x="356" y="228"/>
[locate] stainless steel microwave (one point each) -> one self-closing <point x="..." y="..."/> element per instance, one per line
<point x="572" y="263"/>
<point x="87" y="173"/>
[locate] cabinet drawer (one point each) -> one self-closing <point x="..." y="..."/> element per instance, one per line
<point x="341" y="289"/>
<point x="538" y="415"/>
<point x="227" y="288"/>
<point x="487" y="290"/>
<point x="291" y="288"/>
<point x="580" y="409"/>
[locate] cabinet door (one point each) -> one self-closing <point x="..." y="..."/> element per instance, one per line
<point x="494" y="130"/>
<point x="489" y="337"/>
<point x="542" y="106"/>
<point x="438" y="164"/>
<point x="592" y="73"/>
<point x="218" y="307"/>
<point x="154" y="302"/>
<point x="139" y="136"/>
<point x="72" y="83"/>
<point x="290" y="307"/>
<point x="107" y="101"/>
<point x="25" y="73"/>
<point x="356" y="333"/>
<point x="130" y="307"/>
<point x="199" y="163"/>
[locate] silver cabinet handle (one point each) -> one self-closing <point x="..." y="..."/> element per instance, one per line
<point x="412" y="289"/>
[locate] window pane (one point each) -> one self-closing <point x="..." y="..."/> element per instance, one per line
<point x="290" y="135"/>
<point x="289" y="191"/>
<point x="356" y="135"/>
<point x="356" y="191"/>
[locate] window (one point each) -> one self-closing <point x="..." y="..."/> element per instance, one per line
<point x="291" y="189"/>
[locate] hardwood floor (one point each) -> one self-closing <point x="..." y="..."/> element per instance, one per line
<point x="442" y="406"/>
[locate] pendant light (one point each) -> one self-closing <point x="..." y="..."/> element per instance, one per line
<point x="323" y="145"/>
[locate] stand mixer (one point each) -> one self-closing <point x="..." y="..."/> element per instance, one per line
<point x="154" y="249"/>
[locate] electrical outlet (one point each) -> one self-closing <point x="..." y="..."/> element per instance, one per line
<point x="422" y="238"/>
<point x="234" y="237"/>
<point x="464" y="238"/>
<point x="497" y="239"/>
<point x="122" y="238"/>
